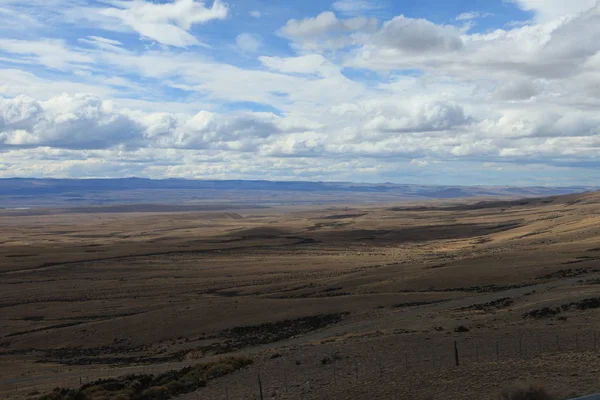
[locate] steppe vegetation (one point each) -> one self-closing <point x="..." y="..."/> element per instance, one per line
<point x="328" y="302"/>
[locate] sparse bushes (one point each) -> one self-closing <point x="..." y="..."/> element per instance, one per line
<point x="150" y="387"/>
<point x="525" y="391"/>
<point x="491" y="305"/>
<point x="549" y="312"/>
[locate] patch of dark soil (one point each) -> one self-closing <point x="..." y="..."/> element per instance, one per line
<point x="473" y="289"/>
<point x="590" y="281"/>
<point x="343" y="216"/>
<point x="34" y="318"/>
<point x="437" y="266"/>
<point x="47" y="328"/>
<point x="224" y="293"/>
<point x="415" y="234"/>
<point x="415" y="304"/>
<point x="491" y="305"/>
<point x="321" y="225"/>
<point x="99" y="317"/>
<point x="582" y="259"/>
<point x="254" y="335"/>
<point x="106" y="355"/>
<point x="548" y="312"/>
<point x="569" y="273"/>
<point x="334" y="294"/>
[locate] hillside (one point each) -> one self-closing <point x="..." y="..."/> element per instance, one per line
<point x="386" y="289"/>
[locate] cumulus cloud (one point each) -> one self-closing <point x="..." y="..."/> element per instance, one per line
<point x="326" y="31"/>
<point x="75" y="122"/>
<point x="418" y="35"/>
<point x="357" y="97"/>
<point x="421" y="118"/>
<point x="84" y="121"/>
<point x="241" y="132"/>
<point x="546" y="10"/>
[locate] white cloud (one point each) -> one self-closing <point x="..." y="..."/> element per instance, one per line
<point x="427" y="117"/>
<point x="307" y="64"/>
<point x="255" y="14"/>
<point x="326" y="31"/>
<point x="419" y="35"/>
<point x="248" y="42"/>
<point x="84" y="121"/>
<point x="419" y="163"/>
<point x="76" y="122"/>
<point x="166" y="23"/>
<point x="546" y="10"/>
<point x="468" y="16"/>
<point x="51" y="53"/>
<point x="13" y="20"/>
<point x="358" y="98"/>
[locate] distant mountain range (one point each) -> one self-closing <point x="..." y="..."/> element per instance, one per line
<point x="25" y="192"/>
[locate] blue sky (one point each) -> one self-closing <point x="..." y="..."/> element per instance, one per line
<point x="458" y="92"/>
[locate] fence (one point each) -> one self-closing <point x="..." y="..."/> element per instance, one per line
<point x="342" y="364"/>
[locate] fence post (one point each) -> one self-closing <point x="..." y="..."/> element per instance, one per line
<point x="285" y="380"/>
<point x="477" y="352"/>
<point x="334" y="374"/>
<point x="406" y="360"/>
<point x="356" y="368"/>
<point x="432" y="356"/>
<point x="456" y="353"/>
<point x="539" y="340"/>
<point x="595" y="340"/>
<point x="497" y="350"/>
<point x="521" y="347"/>
<point x="260" y="388"/>
<point x="577" y="341"/>
<point x="226" y="393"/>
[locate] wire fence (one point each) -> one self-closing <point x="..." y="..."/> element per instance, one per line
<point x="296" y="378"/>
<point x="337" y="366"/>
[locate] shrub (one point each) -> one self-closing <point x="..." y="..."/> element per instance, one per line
<point x="526" y="392"/>
<point x="150" y="387"/>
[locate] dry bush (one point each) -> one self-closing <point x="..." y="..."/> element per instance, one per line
<point x="526" y="391"/>
<point x="150" y="387"/>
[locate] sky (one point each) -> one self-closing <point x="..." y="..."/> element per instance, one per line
<point x="461" y="92"/>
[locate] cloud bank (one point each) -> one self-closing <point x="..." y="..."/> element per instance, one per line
<point x="142" y="88"/>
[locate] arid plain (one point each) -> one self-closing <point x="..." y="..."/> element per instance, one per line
<point x="339" y="302"/>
